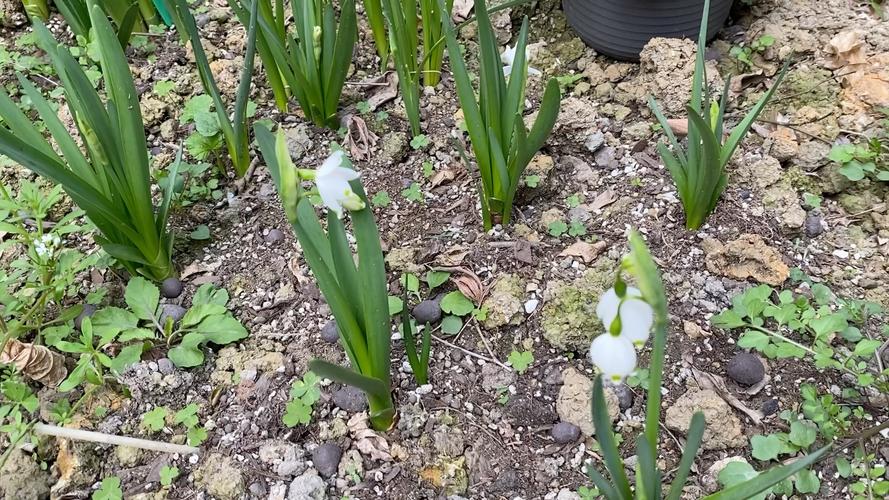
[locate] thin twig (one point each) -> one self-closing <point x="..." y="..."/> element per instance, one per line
<point x="488" y="346"/>
<point x="468" y="352"/>
<point x="100" y="437"/>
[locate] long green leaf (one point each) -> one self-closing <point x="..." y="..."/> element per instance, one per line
<point x="766" y="480"/>
<point x="692" y="443"/>
<point x="342" y="375"/>
<point x="605" y="436"/>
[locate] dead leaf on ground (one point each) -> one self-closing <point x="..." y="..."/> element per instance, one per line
<point x="367" y="441"/>
<point x="716" y="384"/>
<point x="746" y="80"/>
<point x="604" y="199"/>
<point x="36" y="362"/>
<point x="586" y="251"/>
<point x="386" y="90"/>
<point x="468" y="283"/>
<point x="522" y="251"/>
<point x="846" y="48"/>
<point x="199" y="267"/>
<point x="442" y="176"/>
<point x="452" y="257"/>
<point x="359" y="138"/>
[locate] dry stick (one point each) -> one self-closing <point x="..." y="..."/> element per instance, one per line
<point x="488" y="346"/>
<point x="100" y="437"/>
<point x="795" y="129"/>
<point x="468" y="352"/>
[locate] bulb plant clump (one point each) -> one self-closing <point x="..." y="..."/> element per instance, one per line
<point x="357" y="293"/>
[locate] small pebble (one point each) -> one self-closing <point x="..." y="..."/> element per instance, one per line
<point x="745" y="368"/>
<point x="171" y="288"/>
<point x="565" y="432"/>
<point x="88" y="310"/>
<point x="172" y="311"/>
<point x="814" y="226"/>
<point x="327" y="458"/>
<point x="350" y="399"/>
<point x="428" y="311"/>
<point x="258" y="489"/>
<point x="275" y="235"/>
<point x="329" y="332"/>
<point x="769" y="407"/>
<point x="624" y="395"/>
<point x="165" y="366"/>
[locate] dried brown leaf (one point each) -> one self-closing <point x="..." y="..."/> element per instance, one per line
<point x="452" y="256"/>
<point x="470" y="285"/>
<point x="586" y="251"/>
<point x="442" y="176"/>
<point x="359" y="138"/>
<point x="386" y="90"/>
<point x="716" y="383"/>
<point x="604" y="199"/>
<point x="36" y="362"/>
<point x="367" y="440"/>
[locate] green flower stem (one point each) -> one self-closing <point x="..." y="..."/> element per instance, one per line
<point x="382" y="410"/>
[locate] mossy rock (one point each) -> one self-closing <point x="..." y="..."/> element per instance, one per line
<point x="569" y="317"/>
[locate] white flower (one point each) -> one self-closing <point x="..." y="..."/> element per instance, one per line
<point x="332" y="180"/>
<point x="614" y="355"/>
<point x="636" y="316"/>
<point x="508" y="56"/>
<point x="46" y="245"/>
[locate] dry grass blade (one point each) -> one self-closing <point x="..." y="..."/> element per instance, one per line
<point x="35" y="361"/>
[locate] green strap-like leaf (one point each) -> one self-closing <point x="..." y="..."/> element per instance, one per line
<point x="695" y="435"/>
<point x="605" y="436"/>
<point x="342" y="375"/>
<point x="766" y="480"/>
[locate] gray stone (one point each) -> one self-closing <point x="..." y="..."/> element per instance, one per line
<point x="565" y="432"/>
<point x="350" y="399"/>
<point x="88" y="310"/>
<point x="165" y="366"/>
<point x="308" y="486"/>
<point x="594" y="141"/>
<point x="605" y="157"/>
<point x="171" y="288"/>
<point x="495" y="378"/>
<point x="623" y="393"/>
<point x="174" y="311"/>
<point x="745" y="368"/>
<point x="814" y="225"/>
<point x="428" y="311"/>
<point x="329" y="332"/>
<point x="769" y="406"/>
<point x="258" y="489"/>
<point x="274" y="235"/>
<point x="326" y="458"/>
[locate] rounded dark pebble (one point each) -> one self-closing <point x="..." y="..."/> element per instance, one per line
<point x="172" y="311"/>
<point x="769" y="406"/>
<point x="171" y="288"/>
<point x="88" y="310"/>
<point x="274" y="236"/>
<point x="814" y="226"/>
<point x="565" y="432"/>
<point x="327" y="458"/>
<point x="624" y="395"/>
<point x="428" y="311"/>
<point x="329" y="332"/>
<point x="350" y="399"/>
<point x="165" y="366"/>
<point x="745" y="368"/>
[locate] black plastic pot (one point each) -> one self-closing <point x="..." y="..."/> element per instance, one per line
<point x="621" y="28"/>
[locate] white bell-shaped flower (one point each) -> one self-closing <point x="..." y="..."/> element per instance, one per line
<point x="636" y="315"/>
<point x="508" y="56"/>
<point x="614" y="355"/>
<point x="332" y="180"/>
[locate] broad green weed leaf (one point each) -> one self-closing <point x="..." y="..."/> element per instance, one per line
<point x="142" y="297"/>
<point x="457" y="304"/>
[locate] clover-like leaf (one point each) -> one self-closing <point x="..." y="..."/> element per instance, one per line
<point x="155" y="419"/>
<point x="296" y="413"/>
<point x="765" y="447"/>
<point x="168" y="475"/>
<point x="520" y="360"/>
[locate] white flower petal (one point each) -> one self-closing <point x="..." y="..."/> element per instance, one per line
<point x="614" y="356"/>
<point x="636" y="318"/>
<point x="606" y="310"/>
<point x="508" y="55"/>
<point x="534" y="71"/>
<point x="332" y="180"/>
